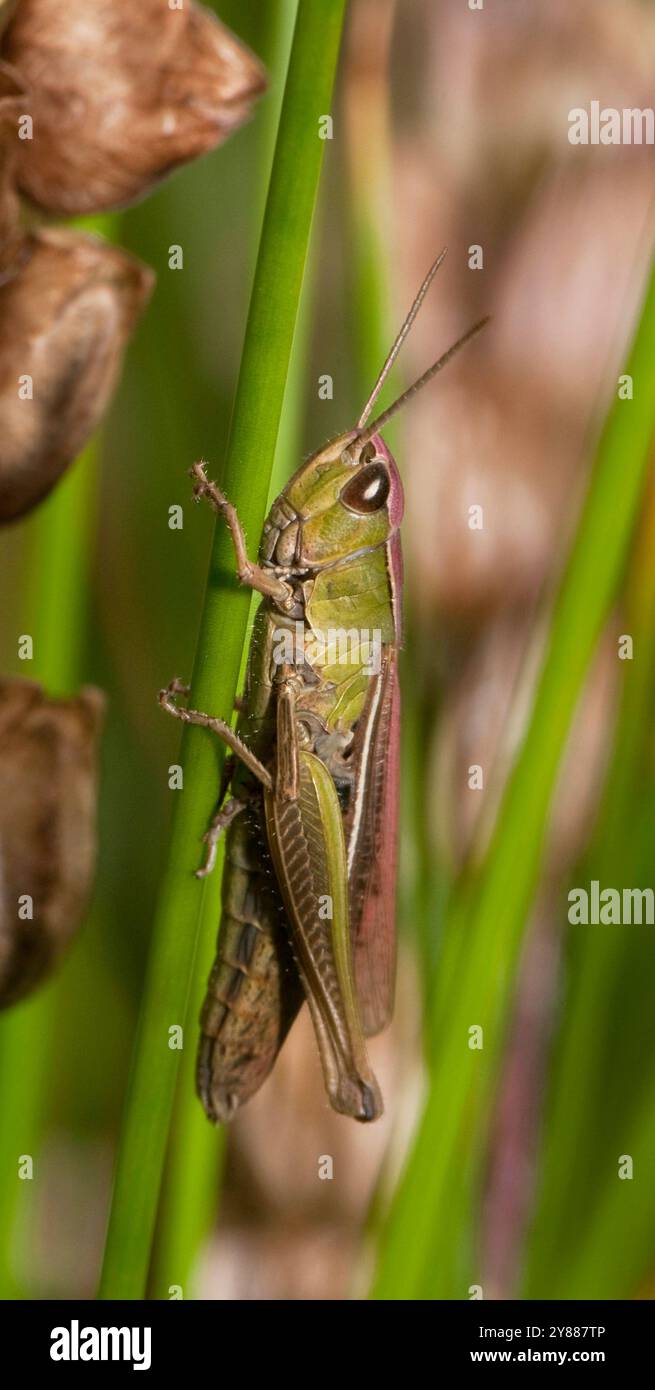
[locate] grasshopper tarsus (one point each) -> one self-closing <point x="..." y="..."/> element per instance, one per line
<point x="209" y="865"/>
<point x="203" y="487"/>
<point x="174" y="687"/>
<point x="207" y="868"/>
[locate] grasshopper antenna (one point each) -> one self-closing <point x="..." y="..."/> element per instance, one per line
<point x="422" y="381"/>
<point x="400" y="339"/>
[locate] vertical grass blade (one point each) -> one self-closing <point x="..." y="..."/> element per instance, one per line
<point x="190" y="1190"/>
<point x="601" y="1103"/>
<point x="245" y="478"/>
<point x="486" y="920"/>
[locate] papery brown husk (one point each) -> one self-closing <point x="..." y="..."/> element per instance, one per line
<point x="7" y="8"/>
<point x="66" y="315"/>
<point x="12" y="103"/>
<point x="121" y="94"/>
<point x="48" y="789"/>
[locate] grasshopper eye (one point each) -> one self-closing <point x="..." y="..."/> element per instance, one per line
<point x="368" y="490"/>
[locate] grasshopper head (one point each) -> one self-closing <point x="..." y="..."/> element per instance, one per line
<point x="348" y="497"/>
<point x="345" y="499"/>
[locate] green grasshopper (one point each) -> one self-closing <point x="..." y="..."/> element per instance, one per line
<point x="311" y="819"/>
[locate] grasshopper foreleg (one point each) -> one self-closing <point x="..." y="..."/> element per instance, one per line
<point x="247" y="572"/>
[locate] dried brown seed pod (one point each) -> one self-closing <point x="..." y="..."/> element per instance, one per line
<point x="67" y="315"/>
<point x="12" y="102"/>
<point x="7" y="8"/>
<point x="121" y="94"/>
<point x="48" y="783"/>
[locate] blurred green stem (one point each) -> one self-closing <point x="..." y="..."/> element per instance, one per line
<point x="245" y="477"/>
<point x="63" y="543"/>
<point x="196" y="1149"/>
<point x="489" y="914"/>
<point x="597" y="965"/>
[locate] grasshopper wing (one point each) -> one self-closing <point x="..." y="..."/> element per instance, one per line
<point x="371" y="830"/>
<point x="308" y="849"/>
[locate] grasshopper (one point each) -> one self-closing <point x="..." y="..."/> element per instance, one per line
<point x="311" y="816"/>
